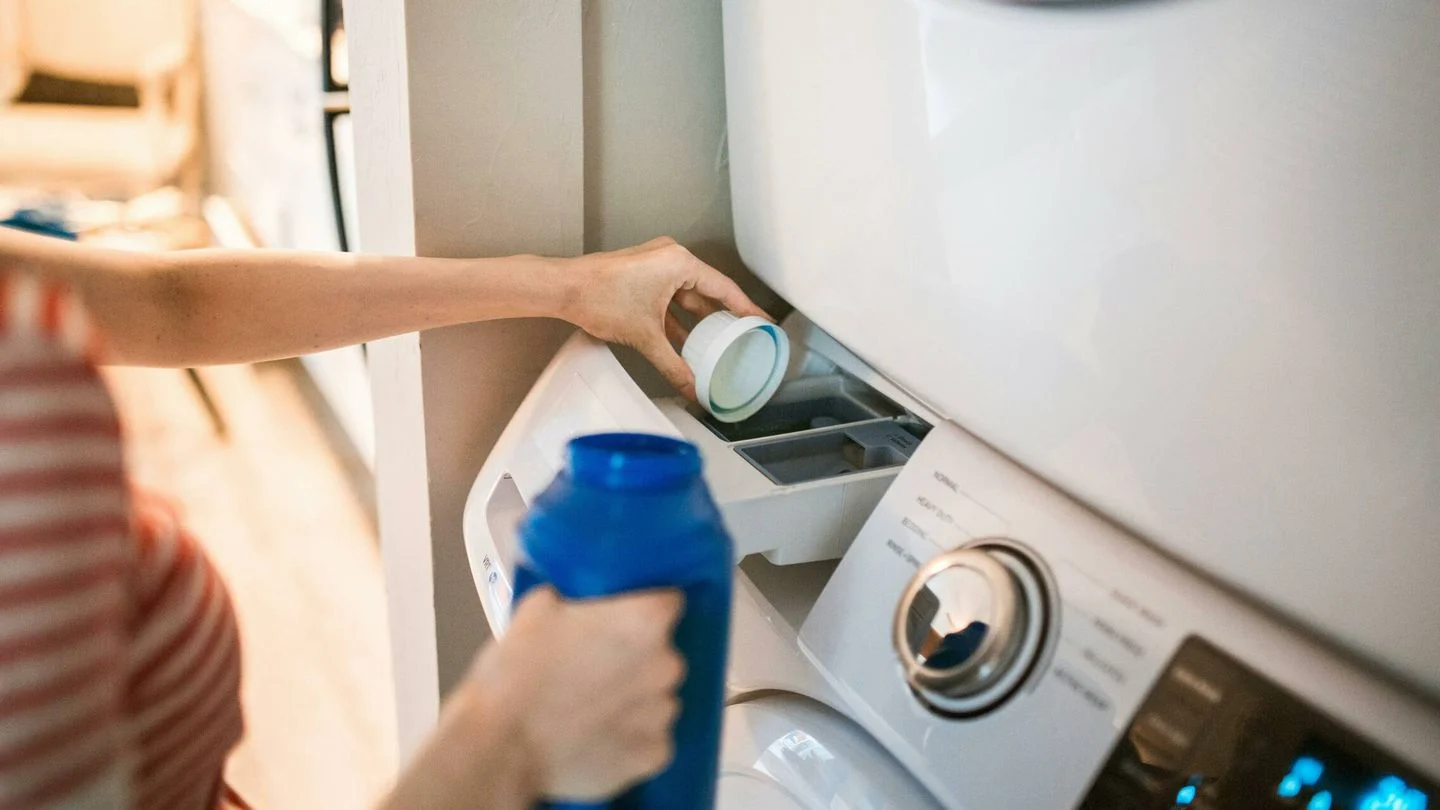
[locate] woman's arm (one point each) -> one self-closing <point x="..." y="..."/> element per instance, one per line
<point x="575" y="703"/>
<point x="229" y="306"/>
<point x="470" y="761"/>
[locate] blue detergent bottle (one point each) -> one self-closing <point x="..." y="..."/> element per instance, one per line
<point x="631" y="512"/>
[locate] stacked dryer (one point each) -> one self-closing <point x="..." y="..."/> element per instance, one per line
<point x="1131" y="501"/>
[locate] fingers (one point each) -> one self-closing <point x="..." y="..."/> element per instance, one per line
<point x="665" y="359"/>
<point x="675" y="332"/>
<point x="696" y="304"/>
<point x="593" y="729"/>
<point x="717" y="286"/>
<point x="537" y="601"/>
<point x="652" y="758"/>
<point x="670" y="671"/>
<point x="643" y="616"/>
<point x="661" y="607"/>
<point x="653" y="719"/>
<point x="715" y="289"/>
<point x="649" y="722"/>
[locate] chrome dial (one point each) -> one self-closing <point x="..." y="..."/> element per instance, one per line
<point x="969" y="626"/>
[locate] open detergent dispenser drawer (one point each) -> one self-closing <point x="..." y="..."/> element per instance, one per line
<point x="794" y="482"/>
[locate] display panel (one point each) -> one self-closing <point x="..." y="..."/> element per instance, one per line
<point x="1216" y="735"/>
<point x="1325" y="776"/>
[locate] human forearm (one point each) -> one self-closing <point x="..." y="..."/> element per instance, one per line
<point x="227" y="306"/>
<point x="224" y="306"/>
<point x="243" y="306"/>
<point x="527" y="722"/>
<point x="472" y="761"/>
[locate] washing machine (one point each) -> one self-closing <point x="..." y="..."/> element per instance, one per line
<point x="789" y="741"/>
<point x="1105" y="471"/>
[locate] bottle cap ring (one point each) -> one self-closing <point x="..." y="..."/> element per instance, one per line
<point x="739" y="363"/>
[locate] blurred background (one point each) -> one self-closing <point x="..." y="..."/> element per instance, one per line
<point x="176" y="124"/>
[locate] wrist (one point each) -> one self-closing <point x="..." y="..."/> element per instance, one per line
<point x="520" y="286"/>
<point x="565" y="280"/>
<point x="470" y="760"/>
<point x="508" y="757"/>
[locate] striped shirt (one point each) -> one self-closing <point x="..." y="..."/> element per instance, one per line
<point x="119" y="657"/>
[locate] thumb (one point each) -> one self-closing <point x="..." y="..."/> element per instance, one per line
<point x="676" y="371"/>
<point x="538" y="599"/>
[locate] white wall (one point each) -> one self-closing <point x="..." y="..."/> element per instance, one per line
<point x="264" y="131"/>
<point x="468" y="142"/>
<point x="385" y="213"/>
<point x="655" y="149"/>
<point x="501" y="127"/>
<point x="266" y="146"/>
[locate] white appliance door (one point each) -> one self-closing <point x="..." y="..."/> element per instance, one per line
<point x="784" y="752"/>
<point x="1179" y="257"/>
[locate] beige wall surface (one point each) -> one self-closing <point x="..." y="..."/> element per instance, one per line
<point x="656" y="161"/>
<point x="528" y="126"/>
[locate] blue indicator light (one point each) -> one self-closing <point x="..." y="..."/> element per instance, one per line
<point x="1391" y="787"/>
<point x="1320" y="801"/>
<point x="1309" y="770"/>
<point x="1393" y="794"/>
<point x="1290" y="787"/>
<point x="1185" y="796"/>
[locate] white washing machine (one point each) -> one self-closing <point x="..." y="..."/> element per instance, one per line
<point x="1131" y="501"/>
<point x="789" y="742"/>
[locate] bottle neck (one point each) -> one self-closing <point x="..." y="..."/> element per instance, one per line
<point x="633" y="462"/>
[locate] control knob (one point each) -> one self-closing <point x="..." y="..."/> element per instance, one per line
<point x="970" y="627"/>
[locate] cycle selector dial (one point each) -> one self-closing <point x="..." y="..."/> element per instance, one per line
<point x="970" y="626"/>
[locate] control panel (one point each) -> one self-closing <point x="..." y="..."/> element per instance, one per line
<point x="1015" y="650"/>
<point x="1214" y="734"/>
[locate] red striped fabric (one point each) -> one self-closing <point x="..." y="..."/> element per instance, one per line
<point x="119" y="654"/>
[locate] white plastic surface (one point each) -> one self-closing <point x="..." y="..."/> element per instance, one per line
<point x="738" y="363"/>
<point x="785" y="752"/>
<point x="1123" y="609"/>
<point x="584" y="390"/>
<point x="587" y="390"/>
<point x="1180" y="258"/>
<point x="744" y="368"/>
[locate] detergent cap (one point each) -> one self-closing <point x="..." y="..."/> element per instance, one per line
<point x="739" y="363"/>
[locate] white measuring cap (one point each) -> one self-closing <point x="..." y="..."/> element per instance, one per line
<point x="738" y="363"/>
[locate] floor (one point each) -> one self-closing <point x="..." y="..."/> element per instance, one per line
<point x="287" y="520"/>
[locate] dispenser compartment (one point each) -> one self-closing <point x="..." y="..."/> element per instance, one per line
<point x="873" y="445"/>
<point x="804" y="404"/>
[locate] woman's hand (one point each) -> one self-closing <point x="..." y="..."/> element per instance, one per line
<point x="595" y="683"/>
<point x="625" y="297"/>
<point x="576" y="703"/>
<point x="191" y="308"/>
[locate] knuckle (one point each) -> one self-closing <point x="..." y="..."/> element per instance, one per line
<point x="672" y="668"/>
<point x="664" y="607"/>
<point x="639" y="629"/>
<point x="670" y="712"/>
<point x="657" y="755"/>
<point x="539" y="602"/>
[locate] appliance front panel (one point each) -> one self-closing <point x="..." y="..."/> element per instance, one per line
<point x="1179" y="257"/>
<point x="1148" y="680"/>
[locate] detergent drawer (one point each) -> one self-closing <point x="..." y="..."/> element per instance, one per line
<point x="795" y="482"/>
